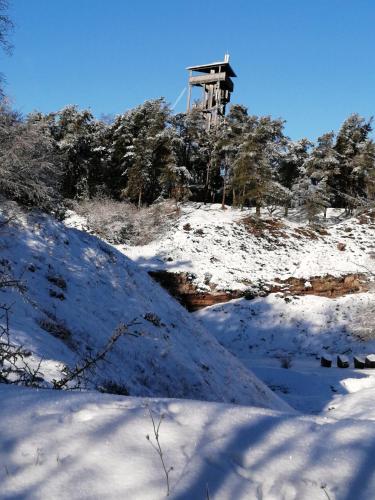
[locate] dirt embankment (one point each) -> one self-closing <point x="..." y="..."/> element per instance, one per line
<point x="181" y="286"/>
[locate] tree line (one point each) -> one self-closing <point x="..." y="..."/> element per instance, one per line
<point x="149" y="153"/>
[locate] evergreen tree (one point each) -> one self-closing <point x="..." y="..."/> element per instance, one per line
<point x="290" y="166"/>
<point x="189" y="145"/>
<point x="312" y="196"/>
<point x="175" y="178"/>
<point x="255" y="166"/>
<point x="313" y="191"/>
<point x="230" y="136"/>
<point x="350" y="182"/>
<point x="140" y="149"/>
<point x="80" y="142"/>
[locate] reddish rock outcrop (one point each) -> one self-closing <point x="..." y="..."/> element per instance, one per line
<point x="181" y="286"/>
<point x="324" y="286"/>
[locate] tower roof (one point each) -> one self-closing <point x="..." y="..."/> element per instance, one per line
<point x="206" y="68"/>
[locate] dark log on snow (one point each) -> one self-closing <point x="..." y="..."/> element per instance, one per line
<point x="342" y="361"/>
<point x="326" y="361"/>
<point x="359" y="362"/>
<point x="370" y="361"/>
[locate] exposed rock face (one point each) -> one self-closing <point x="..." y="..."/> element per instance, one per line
<point x="182" y="287"/>
<point x="324" y="286"/>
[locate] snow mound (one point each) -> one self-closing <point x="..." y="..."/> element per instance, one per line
<point x="232" y="249"/>
<point x="78" y="289"/>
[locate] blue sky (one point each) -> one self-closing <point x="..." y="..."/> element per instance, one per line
<point x="310" y="62"/>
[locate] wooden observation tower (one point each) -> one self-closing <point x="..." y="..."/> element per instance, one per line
<point x="217" y="86"/>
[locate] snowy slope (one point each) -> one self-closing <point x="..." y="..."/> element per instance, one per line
<point x="264" y="332"/>
<point x="306" y="325"/>
<point x="219" y="248"/>
<point x="77" y="446"/>
<point x="79" y="289"/>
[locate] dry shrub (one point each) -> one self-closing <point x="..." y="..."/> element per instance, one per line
<point x="122" y="223"/>
<point x="304" y="232"/>
<point x="264" y="227"/>
<point x="56" y="328"/>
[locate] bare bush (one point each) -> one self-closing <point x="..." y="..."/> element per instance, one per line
<point x="29" y="164"/>
<point x="56" y="328"/>
<point x="76" y="377"/>
<point x="157" y="447"/>
<point x="15" y="367"/>
<point x="111" y="387"/>
<point x="121" y="222"/>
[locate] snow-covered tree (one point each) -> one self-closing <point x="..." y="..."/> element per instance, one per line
<point x="255" y="166"/>
<point x="140" y="148"/>
<point x="289" y="169"/>
<point x="355" y="157"/>
<point x="6" y="26"/>
<point x="312" y="190"/>
<point x="80" y="143"/>
<point x="29" y="170"/>
<point x="189" y="146"/>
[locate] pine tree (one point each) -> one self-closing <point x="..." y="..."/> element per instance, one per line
<point x="255" y="166"/>
<point x="189" y="146"/>
<point x="79" y="139"/>
<point x="291" y="162"/>
<point x="140" y="148"/>
<point x="228" y="141"/>
<point x="311" y="196"/>
<point x="313" y="191"/>
<point x="174" y="178"/>
<point x="350" y="182"/>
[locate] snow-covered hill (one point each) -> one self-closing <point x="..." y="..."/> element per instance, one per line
<point x="232" y="249"/>
<point x="78" y="289"/>
<point x="87" y="445"/>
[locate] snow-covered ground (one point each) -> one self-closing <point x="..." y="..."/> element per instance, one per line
<point x="77" y="446"/>
<point x="216" y="246"/>
<point x="87" y="445"/>
<point x="78" y="289"/>
<point x="265" y="332"/>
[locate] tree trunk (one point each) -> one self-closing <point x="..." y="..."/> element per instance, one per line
<point x="223" y="200"/>
<point x="140" y="199"/>
<point x="207" y="182"/>
<point x="286" y="211"/>
<point x="257" y="210"/>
